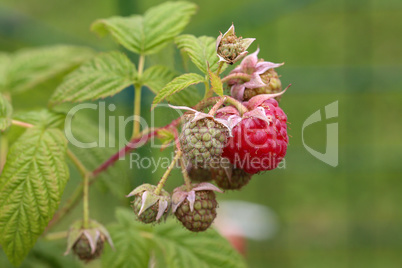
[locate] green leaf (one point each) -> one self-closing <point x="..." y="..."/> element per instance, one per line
<point x="31" y="186"/>
<point x="43" y="118"/>
<point x="156" y="78"/>
<point x="149" y="33"/>
<point x="165" y="136"/>
<point x="172" y="245"/>
<point x="27" y="68"/>
<point x="5" y="113"/>
<point x="216" y="83"/>
<point x="103" y="76"/>
<point x="176" y="85"/>
<point x="181" y="248"/>
<point x="201" y="51"/>
<point x="132" y="248"/>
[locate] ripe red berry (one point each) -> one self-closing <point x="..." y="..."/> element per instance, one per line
<point x="259" y="144"/>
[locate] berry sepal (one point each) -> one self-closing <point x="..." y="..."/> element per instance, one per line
<point x="200" y="115"/>
<point x="180" y="194"/>
<point x="259" y="99"/>
<point x="87" y="243"/>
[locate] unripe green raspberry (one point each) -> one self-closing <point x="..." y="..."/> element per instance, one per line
<point x="200" y="174"/>
<point x="82" y="248"/>
<point x="195" y="209"/>
<point x="148" y="206"/>
<point x="87" y="243"/>
<point x="273" y="85"/>
<point x="235" y="180"/>
<point x="149" y="215"/>
<point x="203" y="140"/>
<point x="203" y="214"/>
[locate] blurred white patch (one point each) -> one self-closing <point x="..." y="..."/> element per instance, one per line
<point x="245" y="219"/>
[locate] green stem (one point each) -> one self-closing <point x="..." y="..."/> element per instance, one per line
<point x="81" y="168"/>
<point x="141" y="62"/>
<point x="217" y="106"/>
<point x="219" y="68"/>
<point x="212" y="101"/>
<point x="166" y="175"/>
<point x="244" y="77"/>
<point x="85" y="187"/>
<point x="239" y="106"/>
<point x="137" y="98"/>
<point x="56" y="235"/>
<point x="85" y="224"/>
<point x="186" y="177"/>
<point x="137" y="110"/>
<point x="3" y="150"/>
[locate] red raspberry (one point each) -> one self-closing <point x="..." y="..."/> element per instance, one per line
<point x="257" y="145"/>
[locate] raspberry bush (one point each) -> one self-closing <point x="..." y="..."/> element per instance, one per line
<point x="246" y="128"/>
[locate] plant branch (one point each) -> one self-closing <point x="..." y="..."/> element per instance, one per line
<point x="218" y="72"/>
<point x="137" y="98"/>
<point x="21" y="124"/>
<point x="167" y="172"/>
<point x="141" y="63"/>
<point x="142" y="138"/>
<point x="212" y="101"/>
<point x="86" y="202"/>
<point x="186" y="177"/>
<point x="217" y="106"/>
<point x="81" y="168"/>
<point x="137" y="110"/>
<point x="56" y="235"/>
<point x="239" y="106"/>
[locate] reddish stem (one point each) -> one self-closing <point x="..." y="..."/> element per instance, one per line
<point x="133" y="144"/>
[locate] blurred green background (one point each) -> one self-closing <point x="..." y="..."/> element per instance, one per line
<point x="347" y="51"/>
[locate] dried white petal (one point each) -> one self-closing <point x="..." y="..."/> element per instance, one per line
<point x="163" y="204"/>
<point x="191" y="199"/>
